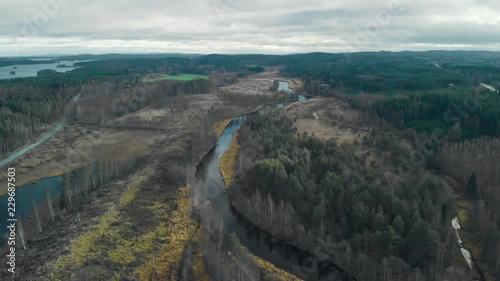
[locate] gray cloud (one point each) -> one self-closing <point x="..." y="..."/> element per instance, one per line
<point x="243" y="26"/>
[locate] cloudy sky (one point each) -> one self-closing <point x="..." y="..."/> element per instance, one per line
<point x="37" y="27"/>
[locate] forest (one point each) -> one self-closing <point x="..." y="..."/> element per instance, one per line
<point x="438" y="105"/>
<point x="393" y="73"/>
<point x="302" y="187"/>
<point x="25" y="112"/>
<point x="474" y="164"/>
<point x="476" y="114"/>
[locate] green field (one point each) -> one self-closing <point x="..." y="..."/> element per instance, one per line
<point x="180" y="77"/>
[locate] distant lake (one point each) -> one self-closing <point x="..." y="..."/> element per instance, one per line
<point x="30" y="70"/>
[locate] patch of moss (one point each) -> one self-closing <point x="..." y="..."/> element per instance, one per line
<point x="85" y="247"/>
<point x="463" y="217"/>
<point x="122" y="255"/>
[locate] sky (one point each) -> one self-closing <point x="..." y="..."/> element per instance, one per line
<point x="56" y="27"/>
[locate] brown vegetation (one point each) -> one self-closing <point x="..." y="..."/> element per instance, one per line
<point x="221" y="126"/>
<point x="279" y="274"/>
<point x="227" y="161"/>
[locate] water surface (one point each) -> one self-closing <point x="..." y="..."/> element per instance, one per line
<point x="30" y="70"/>
<point x="25" y="196"/>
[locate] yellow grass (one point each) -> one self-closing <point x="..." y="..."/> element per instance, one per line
<point x="85" y="247"/>
<point x="221" y="126"/>
<point x="157" y="252"/>
<point x="165" y="264"/>
<point x="228" y="160"/>
<point x="463" y="217"/>
<point x="129" y="195"/>
<point x="200" y="272"/>
<point x="269" y="268"/>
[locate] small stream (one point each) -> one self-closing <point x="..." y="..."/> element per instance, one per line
<point x="465" y="253"/>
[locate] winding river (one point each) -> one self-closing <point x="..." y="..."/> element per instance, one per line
<point x="259" y="243"/>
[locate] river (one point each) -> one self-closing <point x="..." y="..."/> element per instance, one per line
<point x="259" y="243"/>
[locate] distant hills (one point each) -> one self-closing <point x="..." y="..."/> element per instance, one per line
<point x="251" y="58"/>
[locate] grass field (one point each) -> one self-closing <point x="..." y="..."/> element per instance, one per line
<point x="180" y="77"/>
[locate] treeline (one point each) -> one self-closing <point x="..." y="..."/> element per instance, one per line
<point x="428" y="112"/>
<point x="475" y="166"/>
<point x="462" y="113"/>
<point x="252" y="101"/>
<point x="390" y="72"/>
<point x="102" y="103"/>
<point x="25" y="112"/>
<point x="8" y="62"/>
<point x="113" y="70"/>
<point x="378" y="78"/>
<point x="304" y="189"/>
<point x="224" y="258"/>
